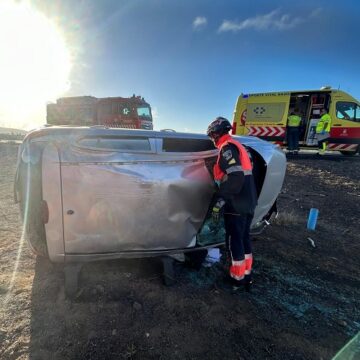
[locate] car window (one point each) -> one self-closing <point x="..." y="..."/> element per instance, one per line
<point x="347" y="111"/>
<point x="187" y="145"/>
<point x="116" y="143"/>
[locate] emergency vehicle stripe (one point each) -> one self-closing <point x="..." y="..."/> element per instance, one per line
<point x="342" y="146"/>
<point x="266" y="130"/>
<point x="122" y="126"/>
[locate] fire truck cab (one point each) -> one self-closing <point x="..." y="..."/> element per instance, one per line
<point x="265" y="115"/>
<point x="119" y="112"/>
<point x="131" y="113"/>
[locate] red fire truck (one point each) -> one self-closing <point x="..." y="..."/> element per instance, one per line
<point x="133" y="112"/>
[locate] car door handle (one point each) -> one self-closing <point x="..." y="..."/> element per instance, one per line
<point x="70" y="212"/>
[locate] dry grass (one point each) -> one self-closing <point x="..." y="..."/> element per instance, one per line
<point x="287" y="218"/>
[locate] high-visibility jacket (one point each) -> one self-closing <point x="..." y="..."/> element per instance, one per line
<point x="324" y="124"/>
<point x="294" y="121"/>
<point x="233" y="170"/>
<point x="246" y="165"/>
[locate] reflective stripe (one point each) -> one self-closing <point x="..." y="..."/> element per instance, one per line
<point x="237" y="269"/>
<point x="234" y="169"/>
<point x="342" y="146"/>
<point x="248" y="263"/>
<point x="237" y="277"/>
<point x="237" y="262"/>
<point x="238" y="168"/>
<point x="243" y="157"/>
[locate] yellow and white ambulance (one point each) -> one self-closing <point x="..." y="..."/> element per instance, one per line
<point x="265" y="115"/>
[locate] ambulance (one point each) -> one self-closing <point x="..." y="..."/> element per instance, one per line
<point x="265" y="115"/>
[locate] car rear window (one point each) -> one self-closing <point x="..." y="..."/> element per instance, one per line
<point x="116" y="143"/>
<point x="187" y="145"/>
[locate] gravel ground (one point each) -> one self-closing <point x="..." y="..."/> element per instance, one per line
<point x="305" y="302"/>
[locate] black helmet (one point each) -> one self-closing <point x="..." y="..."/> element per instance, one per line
<point x="218" y="127"/>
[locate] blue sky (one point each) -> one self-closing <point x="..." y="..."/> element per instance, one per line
<point x="191" y="59"/>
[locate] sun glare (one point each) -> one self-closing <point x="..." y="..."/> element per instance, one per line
<point x="35" y="65"/>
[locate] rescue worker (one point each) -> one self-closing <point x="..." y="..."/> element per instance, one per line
<point x="236" y="199"/>
<point x="293" y="132"/>
<point x="323" y="131"/>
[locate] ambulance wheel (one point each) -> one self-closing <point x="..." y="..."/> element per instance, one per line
<point x="351" y="153"/>
<point x="348" y="153"/>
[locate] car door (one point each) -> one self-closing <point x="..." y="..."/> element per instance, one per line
<point x="345" y="129"/>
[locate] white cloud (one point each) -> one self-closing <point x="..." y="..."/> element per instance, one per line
<point x="273" y="20"/>
<point x="199" y="22"/>
<point x="315" y="12"/>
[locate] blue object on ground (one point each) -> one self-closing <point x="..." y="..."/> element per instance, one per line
<point x="312" y="219"/>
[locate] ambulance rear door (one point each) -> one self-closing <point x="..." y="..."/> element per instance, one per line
<point x="267" y="116"/>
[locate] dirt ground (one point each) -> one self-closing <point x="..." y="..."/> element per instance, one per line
<point x="305" y="302"/>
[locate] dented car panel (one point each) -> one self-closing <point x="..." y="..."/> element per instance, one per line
<point x="133" y="206"/>
<point x="112" y="193"/>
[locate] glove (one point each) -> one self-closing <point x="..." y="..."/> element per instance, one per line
<point x="216" y="210"/>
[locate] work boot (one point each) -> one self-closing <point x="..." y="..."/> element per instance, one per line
<point x="248" y="282"/>
<point x="248" y="286"/>
<point x="231" y="285"/>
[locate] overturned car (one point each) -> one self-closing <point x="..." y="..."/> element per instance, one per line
<point x="97" y="193"/>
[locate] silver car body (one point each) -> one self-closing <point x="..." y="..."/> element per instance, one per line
<point x="111" y="193"/>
